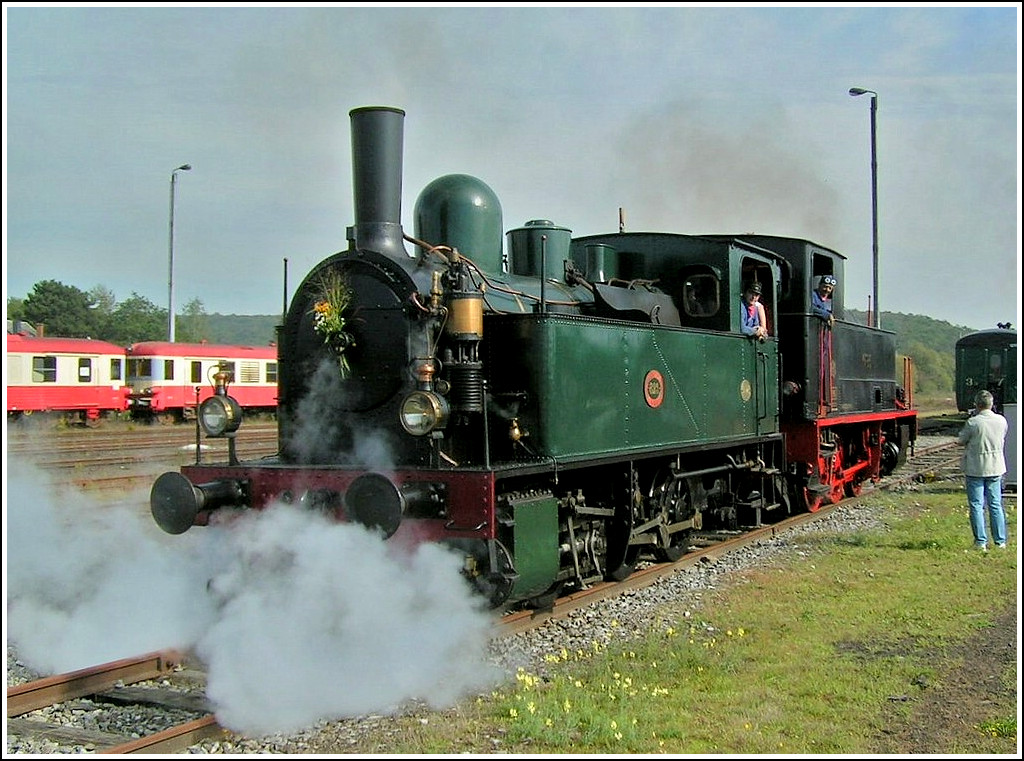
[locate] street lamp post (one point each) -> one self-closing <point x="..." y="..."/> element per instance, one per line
<point x="855" y="91"/>
<point x="170" y="258"/>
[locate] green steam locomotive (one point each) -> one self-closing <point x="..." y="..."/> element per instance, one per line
<point x="551" y="408"/>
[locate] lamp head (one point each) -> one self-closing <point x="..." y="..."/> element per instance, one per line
<point x="855" y="91"/>
<point x="184" y="167"/>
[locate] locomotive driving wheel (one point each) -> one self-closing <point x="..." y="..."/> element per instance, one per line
<point x="620" y="557"/>
<point x="813" y="500"/>
<point x="835" y="476"/>
<point x="853" y="488"/>
<point x="671" y="501"/>
<point x="492" y="576"/>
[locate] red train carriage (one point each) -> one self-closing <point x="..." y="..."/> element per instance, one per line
<point x="167" y="380"/>
<point x="77" y="378"/>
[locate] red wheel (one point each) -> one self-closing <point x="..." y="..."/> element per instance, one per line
<point x="834" y="476"/>
<point x="813" y="501"/>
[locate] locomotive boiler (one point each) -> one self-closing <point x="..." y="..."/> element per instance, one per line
<point x="550" y="408"/>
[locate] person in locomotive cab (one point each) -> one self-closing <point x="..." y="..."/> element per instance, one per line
<point x="753" y="323"/>
<point x="821" y="299"/>
<point x="984" y="435"/>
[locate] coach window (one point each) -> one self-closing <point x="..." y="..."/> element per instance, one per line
<point x="44" y="369"/>
<point x="271" y="372"/>
<point x="115" y="369"/>
<point x="195" y="372"/>
<point x="250" y="373"/>
<point x="84" y="370"/>
<point x="140" y="368"/>
<point x="168" y="369"/>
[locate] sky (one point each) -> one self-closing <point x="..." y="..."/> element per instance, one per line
<point x="691" y="118"/>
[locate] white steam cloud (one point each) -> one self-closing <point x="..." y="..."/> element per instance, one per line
<point x="297" y="619"/>
<point x="320" y="612"/>
<point x="320" y="429"/>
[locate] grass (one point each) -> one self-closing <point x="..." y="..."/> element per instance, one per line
<point x="804" y="656"/>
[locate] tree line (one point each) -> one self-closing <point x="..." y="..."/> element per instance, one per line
<point x="65" y="310"/>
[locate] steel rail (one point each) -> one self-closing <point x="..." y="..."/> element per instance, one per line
<point x="173" y="739"/>
<point x="30" y="696"/>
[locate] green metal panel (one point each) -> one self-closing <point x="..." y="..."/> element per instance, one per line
<point x="588" y="378"/>
<point x="535" y="545"/>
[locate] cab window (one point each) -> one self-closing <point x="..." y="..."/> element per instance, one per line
<point x="700" y="296"/>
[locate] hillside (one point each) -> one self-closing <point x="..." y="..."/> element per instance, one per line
<point x="910" y="329"/>
<point x="244" y="329"/>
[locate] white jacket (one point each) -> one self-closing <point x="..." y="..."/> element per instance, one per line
<point x="984" y="435"/>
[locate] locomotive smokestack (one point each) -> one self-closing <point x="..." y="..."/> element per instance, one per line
<point x="377" y="136"/>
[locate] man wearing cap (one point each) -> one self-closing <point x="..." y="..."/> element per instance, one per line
<point x="821" y="299"/>
<point x="753" y="322"/>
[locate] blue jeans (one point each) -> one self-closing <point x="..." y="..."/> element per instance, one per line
<point x="987" y="491"/>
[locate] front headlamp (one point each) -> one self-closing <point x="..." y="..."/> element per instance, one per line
<point x="220" y="415"/>
<point x="423" y="412"/>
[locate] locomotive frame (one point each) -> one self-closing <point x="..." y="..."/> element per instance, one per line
<point x="555" y="409"/>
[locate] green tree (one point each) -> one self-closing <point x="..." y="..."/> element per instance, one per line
<point x="64" y="310"/>
<point x="193" y="324"/>
<point x="137" y="319"/>
<point x="933" y="370"/>
<point x="15" y="308"/>
<point x="104" y="305"/>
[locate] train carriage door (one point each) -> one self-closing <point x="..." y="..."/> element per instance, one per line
<point x="765" y="357"/>
<point x="757" y="271"/>
<point x="195" y="379"/>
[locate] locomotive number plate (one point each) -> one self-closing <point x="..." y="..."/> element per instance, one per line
<point x="654" y="389"/>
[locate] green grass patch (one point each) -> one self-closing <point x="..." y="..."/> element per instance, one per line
<point x="808" y="654"/>
<point x="800" y="657"/>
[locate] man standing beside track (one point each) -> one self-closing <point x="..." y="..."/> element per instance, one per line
<point x="984" y="435"/>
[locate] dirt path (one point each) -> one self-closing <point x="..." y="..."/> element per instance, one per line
<point x="975" y="683"/>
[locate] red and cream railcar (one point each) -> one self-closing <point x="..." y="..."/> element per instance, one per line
<point x="77" y="378"/>
<point x="167" y="380"/>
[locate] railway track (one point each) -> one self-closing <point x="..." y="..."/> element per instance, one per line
<point x="90" y="448"/>
<point x="186" y="713"/>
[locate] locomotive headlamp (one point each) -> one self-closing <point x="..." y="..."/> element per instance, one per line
<point x="220" y="415"/>
<point x="423" y="412"/>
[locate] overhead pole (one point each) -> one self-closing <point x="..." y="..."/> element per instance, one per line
<point x="855" y="91"/>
